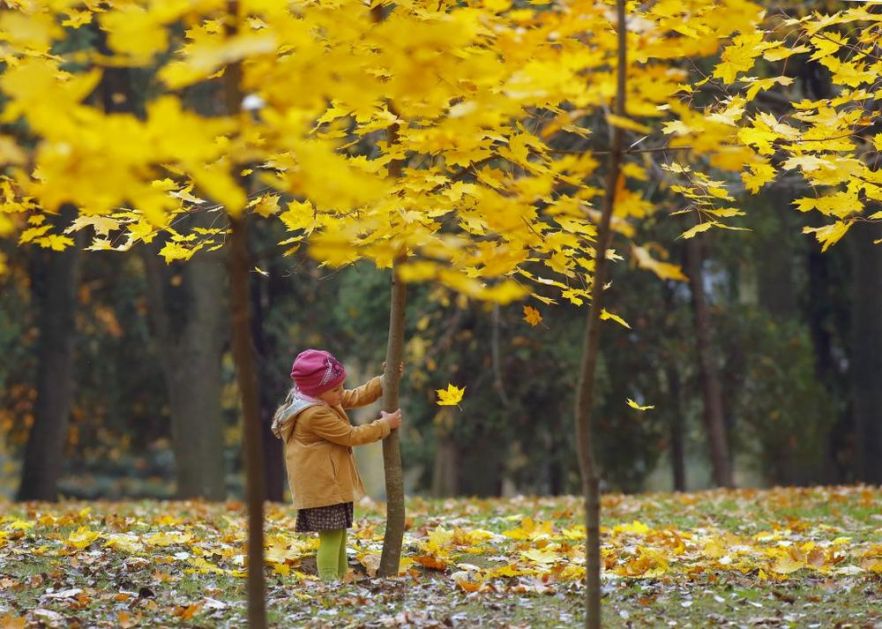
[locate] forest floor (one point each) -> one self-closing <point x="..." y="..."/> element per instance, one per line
<point x="808" y="557"/>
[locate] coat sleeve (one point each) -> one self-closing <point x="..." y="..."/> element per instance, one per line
<point x="363" y="395"/>
<point x="329" y="426"/>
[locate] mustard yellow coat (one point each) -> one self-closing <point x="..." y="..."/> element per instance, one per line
<point x="318" y="442"/>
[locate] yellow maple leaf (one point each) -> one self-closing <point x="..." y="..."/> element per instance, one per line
<point x="740" y="55"/>
<point x="826" y="44"/>
<point x="530" y="529"/>
<point x="265" y="206"/>
<point x="664" y="270"/>
<point x="134" y="31"/>
<point x="451" y="396"/>
<point x="168" y="538"/>
<point x="760" y="174"/>
<point x="55" y="242"/>
<point x="125" y="542"/>
<point x="638" y="407"/>
<point x="828" y="234"/>
<point x="605" y="314"/>
<point x="787" y="565"/>
<point x="102" y="225"/>
<point x="700" y="227"/>
<point x="532" y="316"/>
<point x="543" y="556"/>
<point x="627" y="123"/>
<point x="82" y="537"/>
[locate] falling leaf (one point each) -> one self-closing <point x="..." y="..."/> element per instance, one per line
<point x="604" y="315"/>
<point x="451" y="396"/>
<point x="637" y="406"/>
<point x="532" y="316"/>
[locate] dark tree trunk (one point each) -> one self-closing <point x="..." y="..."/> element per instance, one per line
<point x="828" y="316"/>
<point x="270" y="388"/>
<point x="246" y="376"/>
<point x="190" y="329"/>
<point x="591" y="344"/>
<point x="246" y="371"/>
<point x="714" y="419"/>
<point x="394" y="536"/>
<point x="678" y="458"/>
<point x="866" y="362"/>
<point x="776" y="269"/>
<point x="53" y="282"/>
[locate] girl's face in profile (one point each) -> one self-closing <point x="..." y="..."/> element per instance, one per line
<point x="334" y="396"/>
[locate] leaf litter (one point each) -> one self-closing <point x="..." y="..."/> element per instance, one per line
<point x="770" y="558"/>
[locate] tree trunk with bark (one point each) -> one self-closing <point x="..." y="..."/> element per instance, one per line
<point x="190" y="329"/>
<point x="678" y="458"/>
<point x="708" y="373"/>
<point x="246" y="376"/>
<point x="866" y="363"/>
<point x="243" y="357"/>
<point x="53" y="282"/>
<point x="588" y="366"/>
<point x="394" y="536"/>
<point x="270" y="384"/>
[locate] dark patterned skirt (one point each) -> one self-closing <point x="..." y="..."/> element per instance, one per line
<point x="328" y="518"/>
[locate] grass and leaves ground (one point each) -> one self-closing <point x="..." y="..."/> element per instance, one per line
<point x="781" y="557"/>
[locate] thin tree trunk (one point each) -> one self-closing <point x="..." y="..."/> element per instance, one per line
<point x="866" y="364"/>
<point x="273" y="461"/>
<point x="246" y="376"/>
<point x="246" y="372"/>
<point x="54" y="288"/>
<point x="585" y="389"/>
<point x="678" y="461"/>
<point x="709" y="377"/>
<point x="394" y="536"/>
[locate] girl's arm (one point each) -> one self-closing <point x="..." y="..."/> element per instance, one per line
<point x="329" y="426"/>
<point x="363" y="395"/>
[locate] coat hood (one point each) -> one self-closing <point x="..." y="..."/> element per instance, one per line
<point x="286" y="415"/>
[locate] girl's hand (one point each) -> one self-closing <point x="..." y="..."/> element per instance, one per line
<point x="400" y="368"/>
<point x="394" y="418"/>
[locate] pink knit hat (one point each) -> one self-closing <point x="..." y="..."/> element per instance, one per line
<point x="315" y="371"/>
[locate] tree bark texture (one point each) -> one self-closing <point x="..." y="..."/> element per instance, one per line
<point x="243" y="357"/>
<point x="246" y="376"/>
<point x="394" y="536"/>
<point x="588" y="366"/>
<point x="678" y="457"/>
<point x="775" y="257"/>
<point x="708" y="373"/>
<point x="270" y="387"/>
<point x="53" y="281"/>
<point x="190" y="327"/>
<point x="866" y="363"/>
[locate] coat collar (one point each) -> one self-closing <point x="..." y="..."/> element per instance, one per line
<point x="299" y="403"/>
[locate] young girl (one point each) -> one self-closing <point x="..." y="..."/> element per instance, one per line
<point x="318" y="438"/>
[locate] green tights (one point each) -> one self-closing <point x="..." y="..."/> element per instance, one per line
<point x="331" y="556"/>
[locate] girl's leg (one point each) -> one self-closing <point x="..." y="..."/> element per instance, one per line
<point x="328" y="556"/>
<point x="343" y="564"/>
